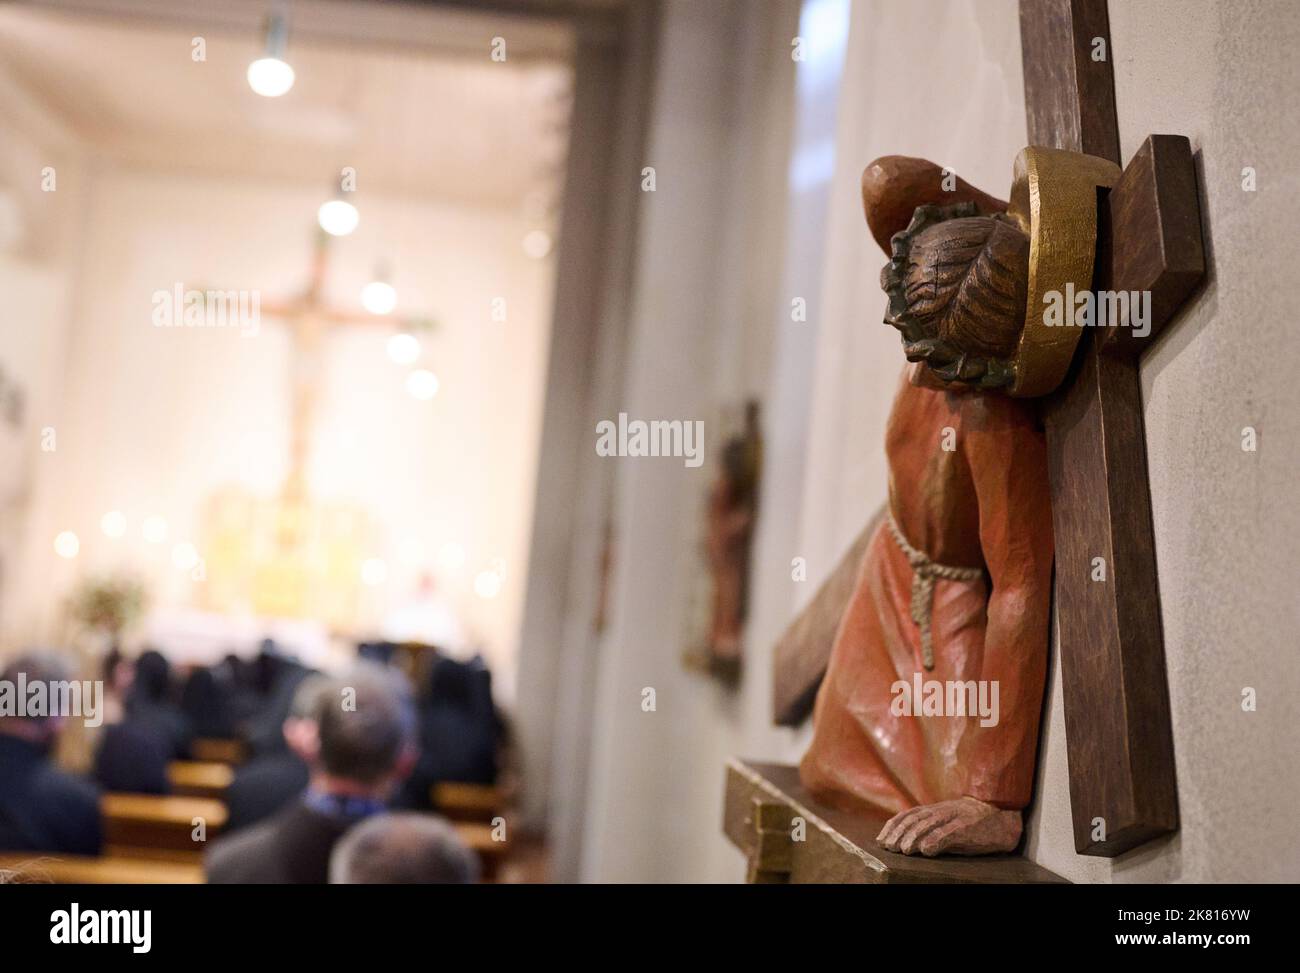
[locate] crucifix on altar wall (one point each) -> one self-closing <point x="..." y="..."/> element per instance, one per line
<point x="294" y="555"/>
<point x="310" y="322"/>
<point x="1018" y="481"/>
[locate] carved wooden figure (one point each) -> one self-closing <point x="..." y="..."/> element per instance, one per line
<point x="731" y="512"/>
<point x="954" y="593"/>
<point x="932" y="695"/>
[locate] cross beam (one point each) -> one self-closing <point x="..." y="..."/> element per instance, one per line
<point x="1118" y="733"/>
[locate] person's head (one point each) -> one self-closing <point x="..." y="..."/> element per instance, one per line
<point x="153" y="676"/>
<point x="957" y="286"/>
<point x="403" y="849"/>
<point x="34" y="667"/>
<point x="355" y="731"/>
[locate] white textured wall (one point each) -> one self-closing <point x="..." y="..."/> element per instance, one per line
<point x="37" y="269"/>
<point x="703" y="307"/>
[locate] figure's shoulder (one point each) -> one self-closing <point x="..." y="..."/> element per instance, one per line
<point x="996" y="412"/>
<point x="53" y="785"/>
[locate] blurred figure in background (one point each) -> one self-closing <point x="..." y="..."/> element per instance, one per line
<point x="429" y="618"/>
<point x="359" y="747"/>
<point x="134" y="754"/>
<point x="205" y="703"/>
<point x="460" y="731"/>
<point x="403" y="849"/>
<point x="41" y="807"/>
<point x="278" y="775"/>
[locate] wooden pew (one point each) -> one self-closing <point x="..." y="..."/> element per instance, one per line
<point x="160" y="828"/>
<point x="218" y="750"/>
<point x="200" y="778"/>
<point x="468" y="802"/>
<point x="478" y="837"/>
<point x="57" y="868"/>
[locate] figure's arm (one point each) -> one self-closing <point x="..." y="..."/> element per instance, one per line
<point x="1007" y="456"/>
<point x="1008" y="464"/>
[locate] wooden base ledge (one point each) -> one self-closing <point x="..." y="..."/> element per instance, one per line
<point x="763" y="803"/>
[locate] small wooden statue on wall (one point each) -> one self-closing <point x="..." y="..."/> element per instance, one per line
<point x="931" y="701"/>
<point x="731" y="512"/>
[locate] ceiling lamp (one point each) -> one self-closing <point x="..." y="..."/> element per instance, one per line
<point x="422" y="384"/>
<point x="270" y="75"/>
<point x="379" y="297"/>
<point x="338" y="217"/>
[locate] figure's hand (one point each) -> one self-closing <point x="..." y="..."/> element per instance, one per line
<point x="966" y="826"/>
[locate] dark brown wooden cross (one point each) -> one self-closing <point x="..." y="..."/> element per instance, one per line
<point x="1118" y="734"/>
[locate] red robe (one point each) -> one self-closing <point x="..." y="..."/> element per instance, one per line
<point x="985" y="503"/>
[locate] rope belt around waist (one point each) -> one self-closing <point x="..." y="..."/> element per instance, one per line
<point x="924" y="571"/>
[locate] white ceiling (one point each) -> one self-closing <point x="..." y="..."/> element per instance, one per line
<point x="412" y="118"/>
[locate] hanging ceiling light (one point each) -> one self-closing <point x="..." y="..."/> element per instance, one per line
<point x="270" y="75"/>
<point x="422" y="384"/>
<point x="379" y="297"/>
<point x="338" y="217"/>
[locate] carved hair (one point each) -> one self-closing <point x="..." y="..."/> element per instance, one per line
<point x="957" y="286"/>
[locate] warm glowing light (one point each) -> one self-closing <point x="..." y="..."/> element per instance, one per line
<point x="113" y="523"/>
<point x="338" y="217"/>
<point x="410" y="550"/>
<point x="422" y="384"/>
<point x="404" y="348"/>
<point x="155" y="530"/>
<point x="185" y="556"/>
<point x="378" y="297"/>
<point x="451" y="557"/>
<point x="270" y="77"/>
<point x="487" y="584"/>
<point x="67" y="545"/>
<point x="537" y="244"/>
<point x="374" y="571"/>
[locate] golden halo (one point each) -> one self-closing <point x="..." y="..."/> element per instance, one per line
<point x="1054" y="200"/>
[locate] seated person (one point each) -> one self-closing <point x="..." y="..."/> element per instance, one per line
<point x="359" y="747"/>
<point x="41" y="807"/>
<point x="206" y="705"/>
<point x="133" y="759"/>
<point x="460" y="730"/>
<point x="134" y="754"/>
<point x="274" y="778"/>
<point x="403" y="849"/>
<point x="278" y="679"/>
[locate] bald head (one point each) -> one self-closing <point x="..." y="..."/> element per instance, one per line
<point x="403" y="849"/>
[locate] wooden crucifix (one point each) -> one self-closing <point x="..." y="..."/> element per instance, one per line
<point x="1148" y="235"/>
<point x="310" y="321"/>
